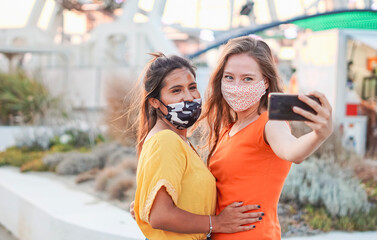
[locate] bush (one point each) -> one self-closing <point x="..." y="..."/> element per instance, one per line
<point x="34" y="138"/>
<point x="34" y="165"/>
<point x="60" y="139"/>
<point x="327" y="179"/>
<point x="52" y="160"/>
<point x="118" y="181"/>
<point x="118" y="156"/>
<point x="320" y="218"/>
<point x="104" y="150"/>
<point x="103" y="178"/>
<point x="76" y="163"/>
<point x="23" y="100"/>
<point x="324" y="183"/>
<point x="73" y="138"/>
<point x="18" y="157"/>
<point x="120" y="185"/>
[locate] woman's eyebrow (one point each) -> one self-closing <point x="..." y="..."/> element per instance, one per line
<point x="180" y="86"/>
<point x="245" y="74"/>
<point x="175" y="86"/>
<point x="248" y="74"/>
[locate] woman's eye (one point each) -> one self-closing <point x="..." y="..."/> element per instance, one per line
<point x="176" y="90"/>
<point x="228" y="77"/>
<point x="248" y="79"/>
<point x="193" y="88"/>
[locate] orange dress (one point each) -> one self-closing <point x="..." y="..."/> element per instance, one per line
<point x="246" y="169"/>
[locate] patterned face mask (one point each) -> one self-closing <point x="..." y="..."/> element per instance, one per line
<point x="241" y="98"/>
<point x="183" y="114"/>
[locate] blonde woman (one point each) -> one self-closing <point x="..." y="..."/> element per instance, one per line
<point x="249" y="155"/>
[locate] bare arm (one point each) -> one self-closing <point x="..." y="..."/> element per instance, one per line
<point x="293" y="149"/>
<point x="166" y="216"/>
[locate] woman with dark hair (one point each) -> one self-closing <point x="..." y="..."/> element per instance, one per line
<point x="176" y="194"/>
<point x="249" y="155"/>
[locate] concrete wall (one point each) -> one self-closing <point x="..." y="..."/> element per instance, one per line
<point x="37" y="207"/>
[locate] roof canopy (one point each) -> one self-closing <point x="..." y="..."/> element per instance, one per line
<point x="341" y="20"/>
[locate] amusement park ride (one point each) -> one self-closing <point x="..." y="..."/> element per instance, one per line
<point x="122" y="42"/>
<point x="117" y="49"/>
<point x="79" y="70"/>
<point x="103" y="40"/>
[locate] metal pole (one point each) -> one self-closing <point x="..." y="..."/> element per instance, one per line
<point x="272" y="8"/>
<point x="130" y="7"/>
<point x="231" y="3"/>
<point x="157" y="11"/>
<point x="35" y="13"/>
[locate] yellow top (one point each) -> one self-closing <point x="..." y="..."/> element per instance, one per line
<point x="166" y="160"/>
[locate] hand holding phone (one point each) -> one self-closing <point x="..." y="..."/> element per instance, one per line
<point x="280" y="107"/>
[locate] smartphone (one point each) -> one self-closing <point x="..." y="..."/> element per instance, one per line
<point x="280" y="107"/>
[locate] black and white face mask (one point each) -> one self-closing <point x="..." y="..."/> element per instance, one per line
<point x="183" y="114"/>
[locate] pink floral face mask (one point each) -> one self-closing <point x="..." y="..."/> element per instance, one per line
<point x="241" y="98"/>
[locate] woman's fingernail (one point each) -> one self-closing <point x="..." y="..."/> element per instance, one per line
<point x="260" y="218"/>
<point x="254" y="226"/>
<point x="258" y="206"/>
<point x="262" y="214"/>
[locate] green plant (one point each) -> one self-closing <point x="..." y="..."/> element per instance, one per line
<point x="29" y="157"/>
<point x="365" y="222"/>
<point x="322" y="182"/>
<point x="319" y="218"/>
<point x="23" y="97"/>
<point x="34" y="165"/>
<point x="62" y="148"/>
<point x="371" y="189"/>
<point x="17" y="157"/>
<point x="74" y="139"/>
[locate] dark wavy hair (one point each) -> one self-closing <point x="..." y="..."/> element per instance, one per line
<point x="153" y="81"/>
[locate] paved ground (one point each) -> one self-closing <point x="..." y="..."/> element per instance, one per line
<point x="340" y="236"/>
<point x="69" y="213"/>
<point x="5" y="235"/>
<point x="56" y="187"/>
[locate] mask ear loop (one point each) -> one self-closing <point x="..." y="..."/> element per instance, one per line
<point x="162" y="102"/>
<point x="164" y="106"/>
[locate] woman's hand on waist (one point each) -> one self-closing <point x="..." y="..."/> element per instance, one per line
<point x="235" y="216"/>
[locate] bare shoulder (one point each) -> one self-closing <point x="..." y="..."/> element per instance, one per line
<point x="274" y="127"/>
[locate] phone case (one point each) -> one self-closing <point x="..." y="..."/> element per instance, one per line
<point x="280" y="107"/>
